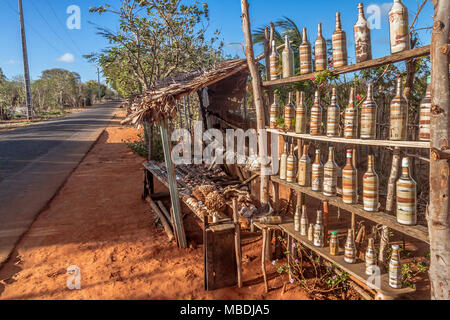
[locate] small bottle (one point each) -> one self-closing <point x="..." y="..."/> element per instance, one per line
<point x="370" y="187"/>
<point x="311" y="232"/>
<point x="349" y="181"/>
<point x="304" y="169"/>
<point x="399" y="27"/>
<point x="274" y="112"/>
<point x="320" y="50"/>
<point x="370" y="257"/>
<point x="316" y="116"/>
<point x="305" y="55"/>
<point x="334" y="243"/>
<point x="297" y="218"/>
<point x="425" y="114"/>
<point x="398" y="115"/>
<point x="274" y="63"/>
<point x="304" y="222"/>
<point x="363" y="46"/>
<point x="406" y="194"/>
<point x="351" y="118"/>
<point x="330" y="173"/>
<point x="291" y="169"/>
<point x="283" y="163"/>
<point x="339" y="41"/>
<point x="288" y="59"/>
<point x="319" y="230"/>
<point x="369" y="116"/>
<point x="333" y="116"/>
<point x="350" y="248"/>
<point x="395" y="268"/>
<point x="317" y="173"/>
<point x="289" y="114"/>
<point x="300" y="113"/>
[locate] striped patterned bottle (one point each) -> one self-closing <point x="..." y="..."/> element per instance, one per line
<point x="317" y="173"/>
<point x="289" y="114"/>
<point x="398" y="115"/>
<point x="311" y="232"/>
<point x="351" y="118"/>
<point x="274" y="62"/>
<point x="370" y="257"/>
<point x="297" y="218"/>
<point x="395" y="268"/>
<point x="320" y="50"/>
<point x="330" y="172"/>
<point x="304" y="222"/>
<point x="300" y="113"/>
<point x="291" y="165"/>
<point x="333" y="116"/>
<point x="287" y="57"/>
<point x="406" y="193"/>
<point x="363" y="46"/>
<point x="425" y="115"/>
<point x="274" y="111"/>
<point x="319" y="231"/>
<point x="399" y="27"/>
<point x="369" y="116"/>
<point x="283" y="163"/>
<point x="304" y="169"/>
<point x="349" y="181"/>
<point x="350" y="248"/>
<point x="370" y="186"/>
<point x="305" y="55"/>
<point x="316" y="116"/>
<point x="339" y="41"/>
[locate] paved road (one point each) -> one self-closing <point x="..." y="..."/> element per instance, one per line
<point x="35" y="161"/>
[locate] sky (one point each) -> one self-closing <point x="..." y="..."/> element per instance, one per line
<point x="51" y="44"/>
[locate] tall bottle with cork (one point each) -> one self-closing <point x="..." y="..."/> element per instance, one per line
<point x="398" y="114"/>
<point x="287" y="59"/>
<point x="305" y="55"/>
<point x="320" y="50"/>
<point x="369" y="116"/>
<point x="274" y="60"/>
<point x="351" y="117"/>
<point x="339" y="41"/>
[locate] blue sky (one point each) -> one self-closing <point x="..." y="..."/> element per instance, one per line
<point x="52" y="45"/>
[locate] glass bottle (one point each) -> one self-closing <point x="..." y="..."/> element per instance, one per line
<point x="297" y="218"/>
<point x="425" y="114"/>
<point x="350" y="248"/>
<point x="289" y="114"/>
<point x="316" y="116"/>
<point x="305" y="55"/>
<point x="369" y="116"/>
<point x="334" y="243"/>
<point x="274" y="62"/>
<point x="318" y="230"/>
<point x="398" y="114"/>
<point x="274" y="111"/>
<point x="370" y="186"/>
<point x="304" y="169"/>
<point x="406" y="194"/>
<point x="351" y="118"/>
<point x="339" y="41"/>
<point x="399" y="27"/>
<point x="330" y="173"/>
<point x="349" y="181"/>
<point x="333" y="116"/>
<point x="283" y="163"/>
<point x="370" y="257"/>
<point x="291" y="165"/>
<point x="320" y="50"/>
<point x="304" y="222"/>
<point x="287" y="59"/>
<point x="300" y="113"/>
<point x="395" y="268"/>
<point x="311" y="232"/>
<point x="363" y="46"/>
<point x="317" y="173"/>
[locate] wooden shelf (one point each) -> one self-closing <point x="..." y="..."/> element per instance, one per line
<point x="418" y="232"/>
<point x="386" y="143"/>
<point x="397" y="57"/>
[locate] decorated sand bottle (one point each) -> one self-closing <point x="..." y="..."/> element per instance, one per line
<point x="297" y="218"/>
<point x="319" y="230"/>
<point x="351" y="118"/>
<point x="320" y="50"/>
<point x="274" y="111"/>
<point x="398" y="114"/>
<point x="370" y="187"/>
<point x="350" y="248"/>
<point x="334" y="243"/>
<point x="283" y="162"/>
<point x="425" y="114"/>
<point x="289" y="114"/>
<point x="333" y="116"/>
<point x="369" y="116"/>
<point x="317" y="173"/>
<point x="274" y="62"/>
<point x="305" y="55"/>
<point x="363" y="46"/>
<point x="304" y="169"/>
<point x="300" y="113"/>
<point x="395" y="268"/>
<point x="399" y="27"/>
<point x="339" y="41"/>
<point x="330" y="173"/>
<point x="287" y="57"/>
<point x="291" y="165"/>
<point x="406" y="194"/>
<point x="304" y="222"/>
<point x="370" y="257"/>
<point x="316" y="116"/>
<point x="349" y="181"/>
<point x="311" y="232"/>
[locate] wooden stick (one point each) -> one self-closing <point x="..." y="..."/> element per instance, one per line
<point x="237" y="243"/>
<point x="164" y="210"/>
<point x="392" y="180"/>
<point x="162" y="218"/>
<point x="263" y="260"/>
<point x="326" y="218"/>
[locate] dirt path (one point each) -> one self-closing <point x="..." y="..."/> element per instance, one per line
<point x="99" y="223"/>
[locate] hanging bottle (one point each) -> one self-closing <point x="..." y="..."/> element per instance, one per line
<point x="320" y="50"/>
<point x="369" y="116"/>
<point x="318" y="231"/>
<point x="305" y="55"/>
<point x="304" y="169"/>
<point x="370" y="187"/>
<point x="334" y="243"/>
<point x="351" y="118"/>
<point x="349" y="181"/>
<point x="398" y="114"/>
<point x="339" y="41"/>
<point x="291" y="165"/>
<point x="311" y="232"/>
<point x="283" y="163"/>
<point x="287" y="59"/>
<point x="274" y="112"/>
<point x="363" y="46"/>
<point x="395" y="268"/>
<point x="274" y="62"/>
<point x="297" y="218"/>
<point x="330" y="172"/>
<point x="425" y="114"/>
<point x="350" y="248"/>
<point x="300" y="113"/>
<point x="370" y="257"/>
<point x="406" y="194"/>
<point x="304" y="222"/>
<point x="333" y="116"/>
<point x="316" y="116"/>
<point x="317" y="173"/>
<point x="399" y="27"/>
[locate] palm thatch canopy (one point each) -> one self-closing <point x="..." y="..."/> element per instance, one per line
<point x="160" y="101"/>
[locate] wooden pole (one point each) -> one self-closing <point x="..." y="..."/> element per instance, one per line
<point x="26" y="68"/>
<point x="162" y="218"/>
<point x="439" y="218"/>
<point x="237" y="243"/>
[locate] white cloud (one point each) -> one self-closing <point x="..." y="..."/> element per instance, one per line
<point x="11" y="62"/>
<point x="67" y="57"/>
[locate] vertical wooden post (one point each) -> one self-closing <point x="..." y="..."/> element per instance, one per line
<point x="439" y="218"/>
<point x="237" y="243"/>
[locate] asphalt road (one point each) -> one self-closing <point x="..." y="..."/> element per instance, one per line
<point x="36" y="160"/>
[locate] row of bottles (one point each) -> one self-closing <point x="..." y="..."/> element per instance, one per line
<point x="399" y="40"/>
<point x="298" y="114"/>
<point x="323" y="178"/>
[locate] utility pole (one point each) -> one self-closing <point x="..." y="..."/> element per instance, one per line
<point x="25" y="65"/>
<point x="98" y="80"/>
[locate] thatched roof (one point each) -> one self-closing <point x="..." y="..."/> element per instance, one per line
<point x="160" y="101"/>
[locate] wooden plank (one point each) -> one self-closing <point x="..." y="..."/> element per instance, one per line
<point x="386" y="143"/>
<point x="397" y="57"/>
<point x="417" y="232"/>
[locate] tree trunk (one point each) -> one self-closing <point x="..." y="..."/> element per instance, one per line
<point x="438" y="218"/>
<point x="390" y="197"/>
